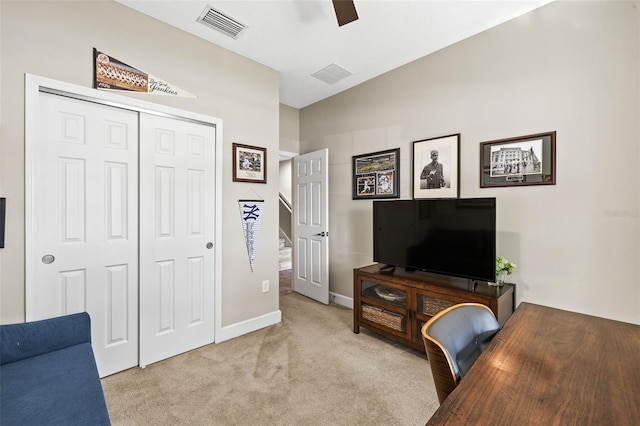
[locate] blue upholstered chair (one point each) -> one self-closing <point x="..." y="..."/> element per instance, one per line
<point x="453" y="339"/>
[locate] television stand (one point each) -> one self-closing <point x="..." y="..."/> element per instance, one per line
<point x="397" y="304"/>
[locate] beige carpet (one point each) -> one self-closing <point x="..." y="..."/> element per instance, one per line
<point x="285" y="282"/>
<point x="310" y="369"/>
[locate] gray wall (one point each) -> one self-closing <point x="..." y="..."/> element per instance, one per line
<point x="572" y="67"/>
<point x="55" y="39"/>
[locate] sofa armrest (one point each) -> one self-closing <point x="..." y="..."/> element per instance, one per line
<point x="29" y="339"/>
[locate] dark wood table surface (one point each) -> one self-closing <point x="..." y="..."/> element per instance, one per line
<point x="551" y="367"/>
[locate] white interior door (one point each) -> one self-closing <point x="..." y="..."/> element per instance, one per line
<point x="177" y="164"/>
<point x="82" y="214"/>
<point x="311" y="225"/>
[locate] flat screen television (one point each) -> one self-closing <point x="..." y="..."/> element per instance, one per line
<point x="455" y="237"/>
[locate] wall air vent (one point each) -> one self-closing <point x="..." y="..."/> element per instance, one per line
<point x="219" y="21"/>
<point x="331" y="74"/>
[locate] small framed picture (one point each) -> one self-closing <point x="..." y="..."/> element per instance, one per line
<point x="436" y="167"/>
<point x="519" y="161"/>
<point x="249" y="163"/>
<point x="376" y="175"/>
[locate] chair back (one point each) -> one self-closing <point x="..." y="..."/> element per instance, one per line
<point x="453" y="339"/>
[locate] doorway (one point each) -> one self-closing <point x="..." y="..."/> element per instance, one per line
<point x="285" y="244"/>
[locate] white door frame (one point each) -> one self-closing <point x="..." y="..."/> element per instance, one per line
<point x="33" y="86"/>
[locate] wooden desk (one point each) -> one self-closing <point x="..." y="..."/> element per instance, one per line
<point x="551" y="367"/>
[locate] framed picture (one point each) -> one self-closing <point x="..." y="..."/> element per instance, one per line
<point x="376" y="175"/>
<point x="436" y="167"/>
<point x="524" y="160"/>
<point x="249" y="163"/>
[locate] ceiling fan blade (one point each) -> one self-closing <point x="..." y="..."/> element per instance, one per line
<point x="345" y="11"/>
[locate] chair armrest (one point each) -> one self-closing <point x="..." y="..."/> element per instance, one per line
<point x="29" y="339"/>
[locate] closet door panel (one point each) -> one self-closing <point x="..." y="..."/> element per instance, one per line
<point x="84" y="200"/>
<point x="176" y="266"/>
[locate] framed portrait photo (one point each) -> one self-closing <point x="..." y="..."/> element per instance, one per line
<point x="249" y="163"/>
<point x="519" y="161"/>
<point x="436" y="167"/>
<point x="376" y="175"/>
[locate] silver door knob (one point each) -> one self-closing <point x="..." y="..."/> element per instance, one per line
<point x="209" y="245"/>
<point x="48" y="258"/>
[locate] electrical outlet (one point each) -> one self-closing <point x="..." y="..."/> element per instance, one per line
<point x="265" y="286"/>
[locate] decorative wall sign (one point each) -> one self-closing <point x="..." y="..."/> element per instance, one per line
<point x="249" y="163"/>
<point x="110" y="73"/>
<point x="376" y="175"/>
<point x="436" y="167"/>
<point x="520" y="161"/>
<point x="251" y="214"/>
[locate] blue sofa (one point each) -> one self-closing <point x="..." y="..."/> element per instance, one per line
<point x="48" y="374"/>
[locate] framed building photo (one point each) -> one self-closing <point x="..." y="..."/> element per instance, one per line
<point x="524" y="160"/>
<point x="249" y="163"/>
<point x="376" y="175"/>
<point x="436" y="167"/>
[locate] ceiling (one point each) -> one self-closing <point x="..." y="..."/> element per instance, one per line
<point x="298" y="38"/>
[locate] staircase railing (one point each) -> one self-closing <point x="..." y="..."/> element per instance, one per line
<point x="286" y="202"/>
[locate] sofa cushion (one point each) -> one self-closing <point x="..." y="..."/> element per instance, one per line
<point x="24" y="340"/>
<point x="56" y="388"/>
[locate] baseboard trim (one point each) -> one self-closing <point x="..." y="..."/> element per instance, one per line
<point x="341" y="300"/>
<point x="243" y="327"/>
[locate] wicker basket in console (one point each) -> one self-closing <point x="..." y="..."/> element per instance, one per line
<point x="431" y="306"/>
<point x="383" y="317"/>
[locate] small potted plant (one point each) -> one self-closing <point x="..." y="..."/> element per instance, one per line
<point x="503" y="268"/>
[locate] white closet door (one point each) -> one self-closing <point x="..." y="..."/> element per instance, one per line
<point x="82" y="210"/>
<point x="177" y="164"/>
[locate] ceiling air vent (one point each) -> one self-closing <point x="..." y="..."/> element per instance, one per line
<point x="332" y="73"/>
<point x="219" y="21"/>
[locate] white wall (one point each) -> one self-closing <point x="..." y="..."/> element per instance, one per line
<point x="55" y="39"/>
<point x="285" y="179"/>
<point x="572" y="67"/>
<point x="289" y="129"/>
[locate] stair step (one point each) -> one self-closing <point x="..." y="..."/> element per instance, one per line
<point x="284" y="253"/>
<point x="282" y="242"/>
<point x="286" y="265"/>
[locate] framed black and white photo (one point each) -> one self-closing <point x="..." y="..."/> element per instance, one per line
<point x="519" y="161"/>
<point x="249" y="163"/>
<point x="376" y="175"/>
<point x="436" y="167"/>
